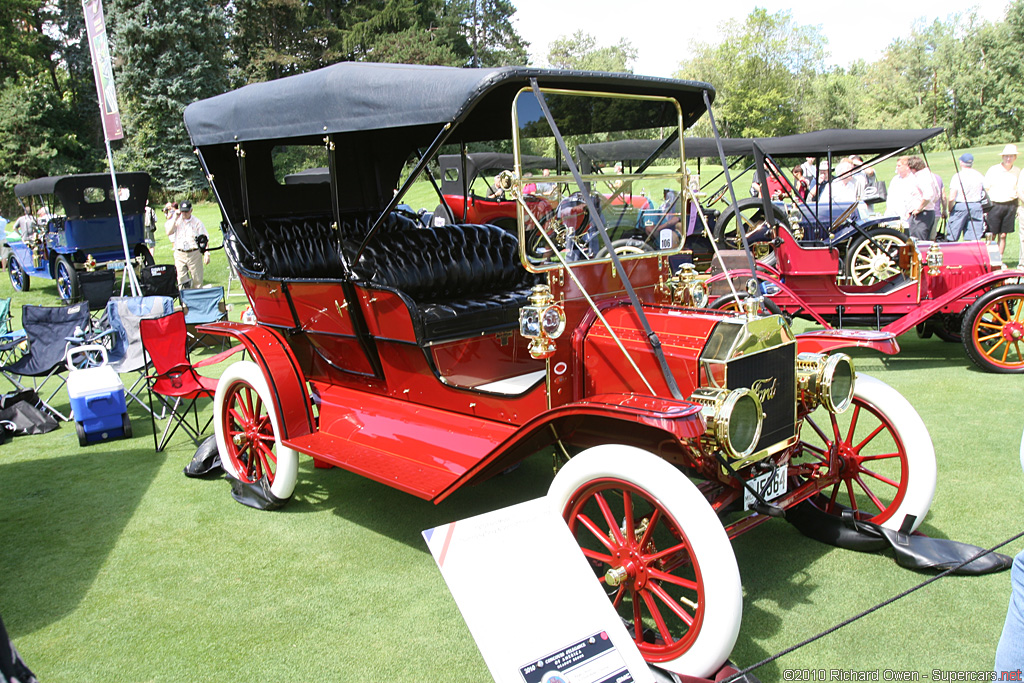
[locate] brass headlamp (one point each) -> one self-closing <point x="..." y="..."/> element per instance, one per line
<point x="826" y="379"/>
<point x="686" y="288"/>
<point x="934" y="259"/>
<point x="734" y="418"/>
<point x="542" y="321"/>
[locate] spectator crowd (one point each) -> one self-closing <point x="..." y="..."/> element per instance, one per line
<point x="973" y="206"/>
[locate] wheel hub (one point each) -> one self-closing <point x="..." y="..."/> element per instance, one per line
<point x="1013" y="331"/>
<point x="849" y="460"/>
<point x="879" y="264"/>
<point x="629" y="568"/>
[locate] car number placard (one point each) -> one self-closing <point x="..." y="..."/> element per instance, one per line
<point x="591" y="660"/>
<point x="770" y="485"/>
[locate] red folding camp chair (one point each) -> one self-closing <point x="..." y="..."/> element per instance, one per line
<point x="173" y="377"/>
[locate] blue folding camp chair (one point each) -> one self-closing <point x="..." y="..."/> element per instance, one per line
<point x="11" y="340"/>
<point x="202" y="305"/>
<point x="49" y="330"/>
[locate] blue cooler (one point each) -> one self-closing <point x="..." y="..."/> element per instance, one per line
<point x="97" y="398"/>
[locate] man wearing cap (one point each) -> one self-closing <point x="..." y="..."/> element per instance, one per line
<point x="182" y="229"/>
<point x="1001" y="185"/>
<point x="965" y="214"/>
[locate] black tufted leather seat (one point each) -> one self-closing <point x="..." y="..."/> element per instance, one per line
<point x="305" y="247"/>
<point x="461" y="279"/>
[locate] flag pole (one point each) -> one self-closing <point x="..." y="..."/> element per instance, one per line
<point x="103" y="71"/>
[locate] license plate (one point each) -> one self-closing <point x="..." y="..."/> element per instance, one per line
<point x="770" y="485"/>
<point x="115" y="265"/>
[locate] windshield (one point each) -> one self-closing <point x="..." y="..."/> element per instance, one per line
<point x="639" y="201"/>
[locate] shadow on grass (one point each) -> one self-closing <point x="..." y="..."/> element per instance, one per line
<point x="917" y="354"/>
<point x="401" y="516"/>
<point x="61" y="518"/>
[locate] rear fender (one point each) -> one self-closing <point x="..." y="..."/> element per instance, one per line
<point x="287" y="384"/>
<point x="658" y="425"/>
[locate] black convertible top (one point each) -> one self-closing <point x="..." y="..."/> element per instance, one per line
<point x="360" y="96"/>
<point x="70" y="191"/>
<point x="816" y="143"/>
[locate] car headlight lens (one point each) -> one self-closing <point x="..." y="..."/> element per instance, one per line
<point x="552" y="321"/>
<point x="734" y="418"/>
<point x="699" y="294"/>
<point x="826" y="379"/>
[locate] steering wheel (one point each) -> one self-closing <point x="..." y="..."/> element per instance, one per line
<point x="717" y="195"/>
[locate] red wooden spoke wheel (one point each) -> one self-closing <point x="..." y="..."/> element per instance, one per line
<point x="250" y="436"/>
<point x="659" y="551"/>
<point x="886" y="462"/>
<point x="247" y="431"/>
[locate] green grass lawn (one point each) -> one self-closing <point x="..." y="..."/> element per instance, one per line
<point x="116" y="567"/>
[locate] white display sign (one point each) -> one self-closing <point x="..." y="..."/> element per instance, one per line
<point x="531" y="600"/>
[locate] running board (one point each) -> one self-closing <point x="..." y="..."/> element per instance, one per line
<point x="374" y="437"/>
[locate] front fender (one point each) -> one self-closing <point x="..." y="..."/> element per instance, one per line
<point x="823" y="341"/>
<point x="653" y="423"/>
<point x="287" y="384"/>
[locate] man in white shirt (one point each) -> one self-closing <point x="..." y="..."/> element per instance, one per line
<point x="1001" y="185"/>
<point x="965" y="214"/>
<point x="916" y="192"/>
<point x="847" y="188"/>
<point x="182" y="229"/>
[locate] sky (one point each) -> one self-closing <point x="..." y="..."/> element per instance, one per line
<point x="661" y="30"/>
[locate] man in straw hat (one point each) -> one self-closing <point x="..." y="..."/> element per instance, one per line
<point x="1001" y="185"/>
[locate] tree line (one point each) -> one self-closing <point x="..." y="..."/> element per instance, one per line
<point x="962" y="73"/>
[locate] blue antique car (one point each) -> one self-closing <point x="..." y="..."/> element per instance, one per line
<point x="78" y="225"/>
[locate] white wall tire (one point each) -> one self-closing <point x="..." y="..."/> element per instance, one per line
<point x="246" y="425"/>
<point x="676" y="512"/>
<point x="896" y="465"/>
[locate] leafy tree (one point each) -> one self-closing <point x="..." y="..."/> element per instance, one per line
<point x="37" y="137"/>
<point x="24" y="47"/>
<point x="581" y="51"/>
<point x="481" y="32"/>
<point x="415" y="46"/>
<point x="170" y="53"/>
<point x="762" y="71"/>
<point x="270" y="39"/>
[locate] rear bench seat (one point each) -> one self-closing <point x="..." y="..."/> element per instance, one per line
<point x="305" y="247"/>
<point x="458" y="280"/>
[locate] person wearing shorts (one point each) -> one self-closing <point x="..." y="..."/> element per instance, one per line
<point x="1001" y="186"/>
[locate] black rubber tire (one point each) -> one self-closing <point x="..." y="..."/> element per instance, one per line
<point x="948" y="327"/>
<point x="627" y="247"/>
<point x="974" y="316"/>
<point x="725" y="226"/>
<point x="20" y="280"/>
<point x="857" y="248"/>
<point x="67" y="278"/>
<point x="80" y="430"/>
<point x="126" y="426"/>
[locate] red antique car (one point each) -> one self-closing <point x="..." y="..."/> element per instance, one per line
<point x="961" y="292"/>
<point x="431" y="358"/>
<point x="469" y="197"/>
